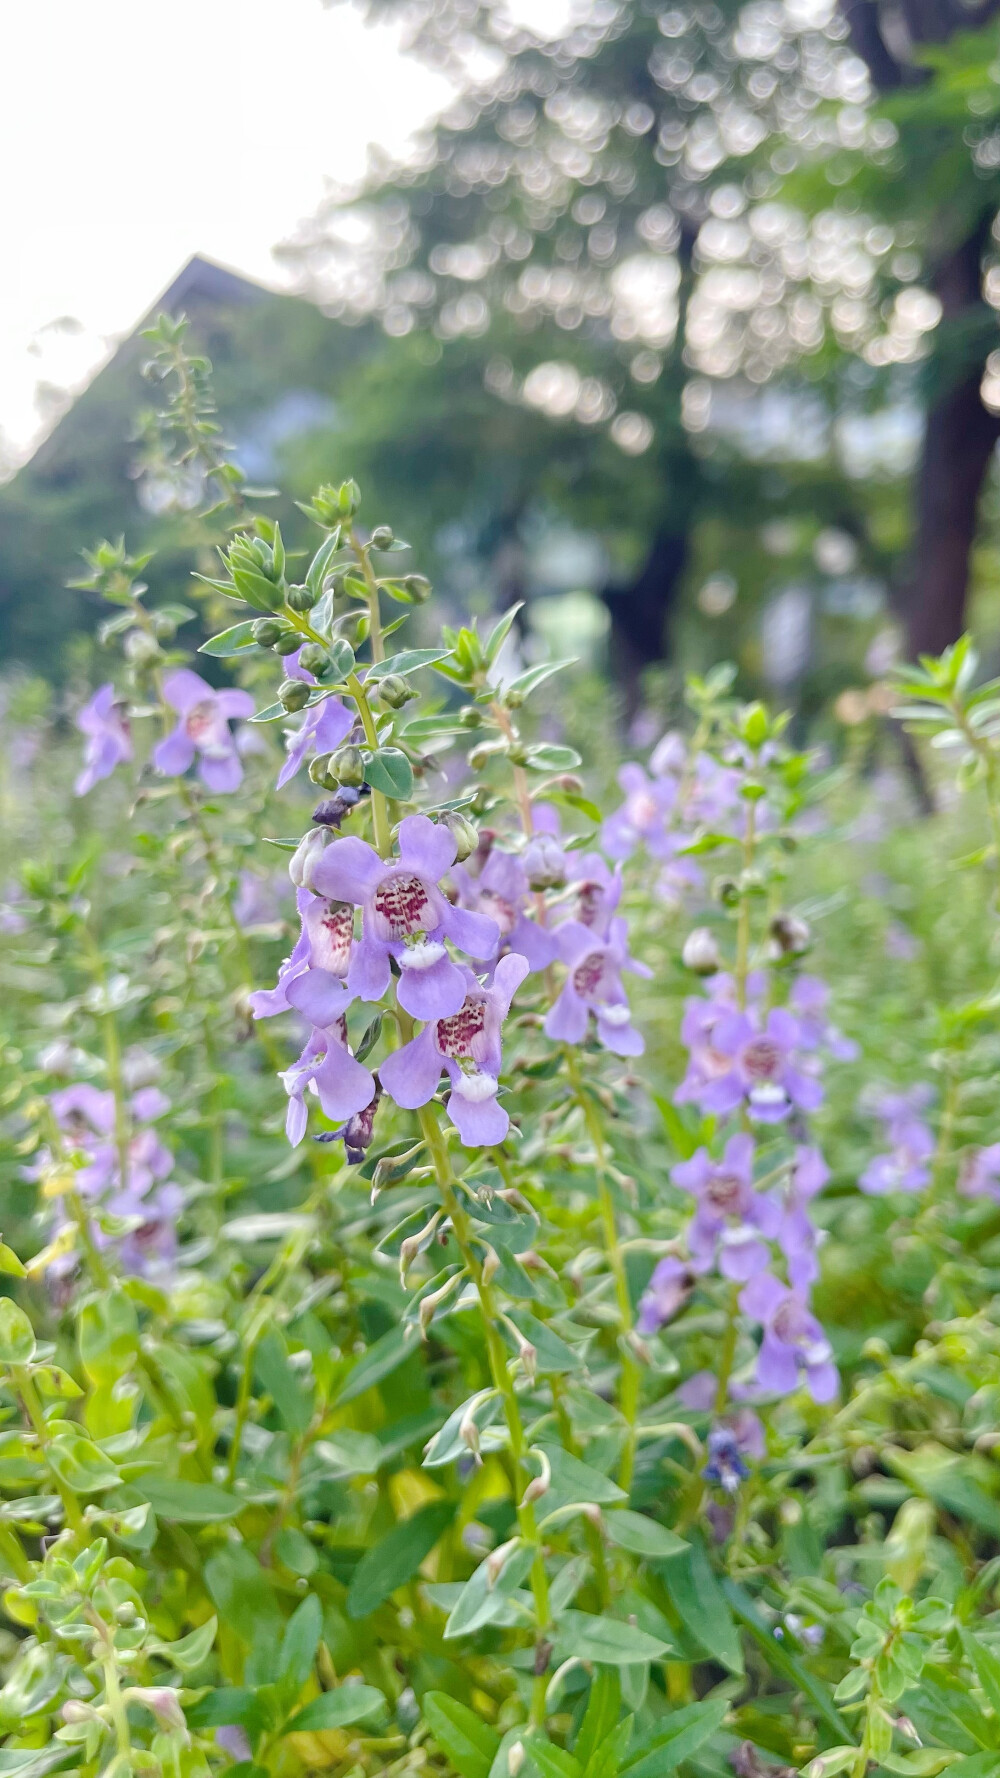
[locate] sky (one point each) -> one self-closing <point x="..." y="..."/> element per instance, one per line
<point x="132" y="136"/>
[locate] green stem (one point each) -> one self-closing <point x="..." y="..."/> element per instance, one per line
<point x="380" y="808"/>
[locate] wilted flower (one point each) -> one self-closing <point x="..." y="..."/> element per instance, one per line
<point x="465" y="1045"/>
<point x="406" y="916"/>
<point x="109" y="739"/>
<point x="203" y="730"/>
<point x="594" y="985"/>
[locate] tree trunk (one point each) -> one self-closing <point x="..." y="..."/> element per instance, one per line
<point x="640" y="612"/>
<point x="959" y="438"/>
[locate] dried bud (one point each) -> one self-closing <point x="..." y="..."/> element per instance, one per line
<point x="348" y="767"/>
<point x="394" y="691"/>
<point x="545" y="862"/>
<point x="307" y="853"/>
<point x="462" y="832"/>
<point x="701" y="952"/>
<point x="315" y="659"/>
<point x="359" y="1130"/>
<point x="515" y="1758"/>
<point x="301" y="598"/>
<point x="791" y="935"/>
<point x="293" y="694"/>
<point x="289" y="642"/>
<point x="332" y="812"/>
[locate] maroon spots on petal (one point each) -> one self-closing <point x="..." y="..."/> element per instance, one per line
<point x="201" y="721"/>
<point x="498" y="909"/>
<point x="332" y="948"/>
<point x="589" y="975"/>
<point x="403" y="906"/>
<point x="456" y="1035"/>
<point x="762" y="1058"/>
<point x="590" y="906"/>
<point x="725" y="1193"/>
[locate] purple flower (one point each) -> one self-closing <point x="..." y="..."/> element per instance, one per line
<point x="794" y="1344"/>
<point x="235" y="1742"/>
<point x="464" y="1044"/>
<point x="323" y="728"/>
<point x="326" y="1068"/>
<point x="501" y="893"/>
<point x="665" y="1294"/>
<point x="594" y="985"/>
<point x="980" y="1175"/>
<point x="203" y="731"/>
<point x="145" y="1197"/>
<point x="544" y="860"/>
<point x="744" y="1058"/>
<point x="911" y="1144"/>
<point x="256" y="901"/>
<point x="808" y="1001"/>
<point x="714" y="792"/>
<point x="266" y="1003"/>
<point x="731" y="1218"/>
<point x="109" y="740"/>
<point x="730" y="1442"/>
<point x="598" y="891"/>
<point x="152" y="1242"/>
<point x="642" y="818"/>
<point x="406" y="916"/>
<point x="796" y="1233"/>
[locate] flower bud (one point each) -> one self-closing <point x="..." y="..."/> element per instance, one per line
<point x="141" y="649"/>
<point x="320" y="773"/>
<point x="164" y="626"/>
<point x="395" y="692"/>
<point x="470" y="716"/>
<point x="293" y="694"/>
<point x="307" y="854"/>
<point x="418" y="587"/>
<point x="726" y="891"/>
<point x="75" y="1711"/>
<point x="491" y="1265"/>
<point x="791" y="935"/>
<point x="569" y="782"/>
<point x="301" y="598"/>
<point x="462" y="832"/>
<point x="544" y="862"/>
<point x="315" y="659"/>
<point x="289" y="642"/>
<point x="269" y="630"/>
<point x="515" y="1758"/>
<point x="381" y="537"/>
<point x="700" y="952"/>
<point x="348" y="767"/>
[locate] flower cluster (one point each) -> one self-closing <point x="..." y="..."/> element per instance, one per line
<point x="905" y="1166"/>
<point x="123" y="1172"/>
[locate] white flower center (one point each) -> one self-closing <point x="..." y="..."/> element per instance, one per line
<point x="476" y="1087"/>
<point x="615" y="1015"/>
<point x="421" y="956"/>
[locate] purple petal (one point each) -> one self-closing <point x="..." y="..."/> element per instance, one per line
<point x="432" y="993"/>
<point x="369" y="973"/>
<point x="319" y="996"/>
<point x="777" y="1369"/>
<point x="428" y="848"/>
<point x="480" y="1123"/>
<point x="174" y="753"/>
<point x="567" y="1021"/>
<point x="534" y="943"/>
<point x="410" y="1075"/>
<point x="621" y="1040"/>
<point x="475" y="933"/>
<point x="234" y="704"/>
<point x="222" y="773"/>
<point x="823" y="1380"/>
<point x="343" y="1084"/>
<point x="348" y="870"/>
<point x="762" y="1296"/>
<point x="507" y="978"/>
<point x="182" y="689"/>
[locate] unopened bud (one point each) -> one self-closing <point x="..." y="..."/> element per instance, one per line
<point x="289" y="642"/>
<point x="394" y="691"/>
<point x="462" y="832"/>
<point x="320" y="773"/>
<point x="348" y="767"/>
<point x="528" y="1354"/>
<point x="468" y="1432"/>
<point x="125" y="1613"/>
<point x="162" y="1701"/>
<point x="418" y="587"/>
<point x="293" y="694"/>
<point x="407" y="1254"/>
<point x="544" y="862"/>
<point x="267" y="631"/>
<point x="382" y="537"/>
<point x="301" y="598"/>
<point x="74" y="1711"/>
<point x="470" y="716"/>
<point x="141" y="649"/>
<point x="791" y="935"/>
<point x="515" y="1758"/>
<point x="593" y="1515"/>
<point x="315" y="659"/>
<point x="539" y="1484"/>
<point x="727" y="891"/>
<point x="496" y="1560"/>
<point x="701" y="952"/>
<point x="491" y="1265"/>
<point x="307" y="854"/>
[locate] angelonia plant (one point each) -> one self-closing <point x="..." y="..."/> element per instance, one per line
<point x="470" y="1307"/>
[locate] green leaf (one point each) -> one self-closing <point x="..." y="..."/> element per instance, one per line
<point x="10" y="1263"/>
<point x="190" y="1652"/>
<point x="81" y="1465"/>
<point x="535" y="676"/>
<point x="235" y="1706"/>
<point x="574" y="1481"/>
<point x="986" y="1665"/>
<point x="701" y="1606"/>
<point x="601" y="1714"/>
<point x="479" y="1603"/>
<point x="406" y="662"/>
<point x="292" y="1400"/>
<point x="781" y="1660"/>
<point x="235" y="640"/>
<point x="500" y="631"/>
<point x="108" y="1336"/>
<point x="606" y="1760"/>
<point x="188" y="1503"/>
<point x="553" y="1762"/>
<point x="17" y="1339"/>
<point x="337" y="1709"/>
<point x="468" y="1742"/>
<point x="642" y="1536"/>
<point x="389" y="771"/>
<point x="676" y="1738"/>
<point x="396" y="1558"/>
<point x="555" y="1357"/>
<point x="379" y="1362"/>
<point x="299" y="1645"/>
<point x="321" y="561"/>
<point x="547" y="757"/>
<point x="607" y="1640"/>
<point x="270" y="713"/>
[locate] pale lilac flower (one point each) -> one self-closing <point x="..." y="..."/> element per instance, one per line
<point x="665" y="1295"/>
<point x="732" y="1223"/>
<point x="745" y="1058"/>
<point x="900" y="943"/>
<point x="669" y="756"/>
<point x="256" y="902"/>
<point x="266" y="1003"/>
<point x="642" y="818"/>
<point x="808" y="1001"/>
<point x="796" y="1233"/>
<point x="911" y="1144"/>
<point x="203" y="731"/>
<point x="465" y="1045"/>
<point x="145" y="1196"/>
<point x="324" y="727"/>
<point x="326" y="1068"/>
<point x="594" y="985"/>
<point x="794" y="1347"/>
<point x="501" y="893"/>
<point x="713" y="793"/>
<point x="545" y="863"/>
<point x="980" y="1175"/>
<point x="236" y="1742"/>
<point x="598" y="891"/>
<point x="406" y="916"/>
<point x="109" y="739"/>
<point x="152" y="1243"/>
